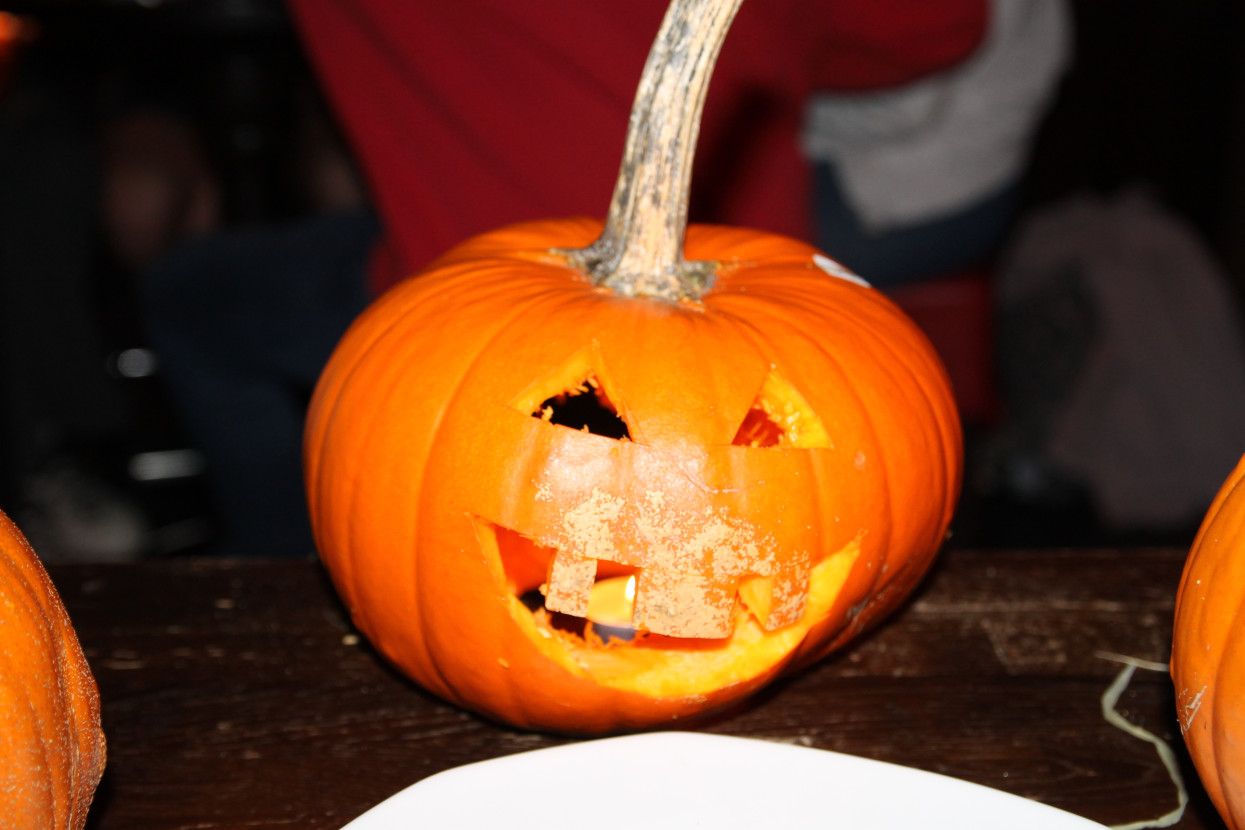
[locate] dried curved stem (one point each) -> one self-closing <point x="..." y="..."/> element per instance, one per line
<point x="640" y="250"/>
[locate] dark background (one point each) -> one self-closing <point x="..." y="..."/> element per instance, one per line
<point x="1156" y="97"/>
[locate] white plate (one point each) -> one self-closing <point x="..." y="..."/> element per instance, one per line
<point x="689" y="780"/>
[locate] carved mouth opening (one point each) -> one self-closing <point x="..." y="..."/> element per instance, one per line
<point x="650" y="663"/>
<point x="585" y="407"/>
<point x="526" y="566"/>
<point x="593" y="632"/>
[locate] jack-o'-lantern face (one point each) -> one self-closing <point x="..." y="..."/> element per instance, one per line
<point x="776" y="465"/>
<point x="695" y="523"/>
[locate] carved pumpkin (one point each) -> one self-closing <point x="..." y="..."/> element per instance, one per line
<point x="51" y="744"/>
<point x="1208" y="650"/>
<point x="766" y="444"/>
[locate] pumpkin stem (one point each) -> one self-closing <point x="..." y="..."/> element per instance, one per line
<point x="640" y="251"/>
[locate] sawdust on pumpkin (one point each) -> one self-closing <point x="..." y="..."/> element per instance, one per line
<point x="691" y="564"/>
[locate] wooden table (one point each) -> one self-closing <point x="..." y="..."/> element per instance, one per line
<point x="236" y="694"/>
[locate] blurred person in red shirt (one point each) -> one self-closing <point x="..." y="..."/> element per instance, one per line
<point x="465" y="116"/>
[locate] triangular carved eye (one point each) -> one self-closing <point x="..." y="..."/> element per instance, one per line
<point x="585" y="406"/>
<point x="576" y="395"/>
<point x="781" y="418"/>
<point x="759" y="430"/>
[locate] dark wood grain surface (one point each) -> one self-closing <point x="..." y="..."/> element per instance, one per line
<point x="236" y="694"/>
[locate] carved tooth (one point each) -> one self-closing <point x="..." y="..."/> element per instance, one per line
<point x="684" y="605"/>
<point x="788" y="598"/>
<point x="570" y="584"/>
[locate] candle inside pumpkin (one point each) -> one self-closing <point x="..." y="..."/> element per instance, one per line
<point x="612" y="602"/>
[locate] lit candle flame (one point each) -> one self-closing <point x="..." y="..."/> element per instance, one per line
<point x="612" y="602"/>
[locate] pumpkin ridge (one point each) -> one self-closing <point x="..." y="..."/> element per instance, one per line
<point x="919" y="374"/>
<point x="1226" y="751"/>
<point x="749" y="331"/>
<point x="363" y="357"/>
<point x="40" y="739"/>
<point x="833" y="361"/>
<point x="330" y="387"/>
<point x="886" y="357"/>
<point x="875" y="577"/>
<point x="1207" y="659"/>
<point x="396" y="305"/>
<point x="419" y="564"/>
<point x="51" y="741"/>
<point x="498" y="329"/>
<point x="31" y="599"/>
<point x="830" y="360"/>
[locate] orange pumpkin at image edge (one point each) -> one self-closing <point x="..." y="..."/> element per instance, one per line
<point x="51" y="745"/>
<point x="769" y="446"/>
<point x="1208" y="650"/>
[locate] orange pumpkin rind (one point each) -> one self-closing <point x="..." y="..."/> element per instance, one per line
<point x="1208" y="650"/>
<point x="775" y="453"/>
<point x="52" y="749"/>
<point x="438" y="506"/>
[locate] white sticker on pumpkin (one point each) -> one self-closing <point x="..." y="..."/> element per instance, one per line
<point x="834" y="269"/>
